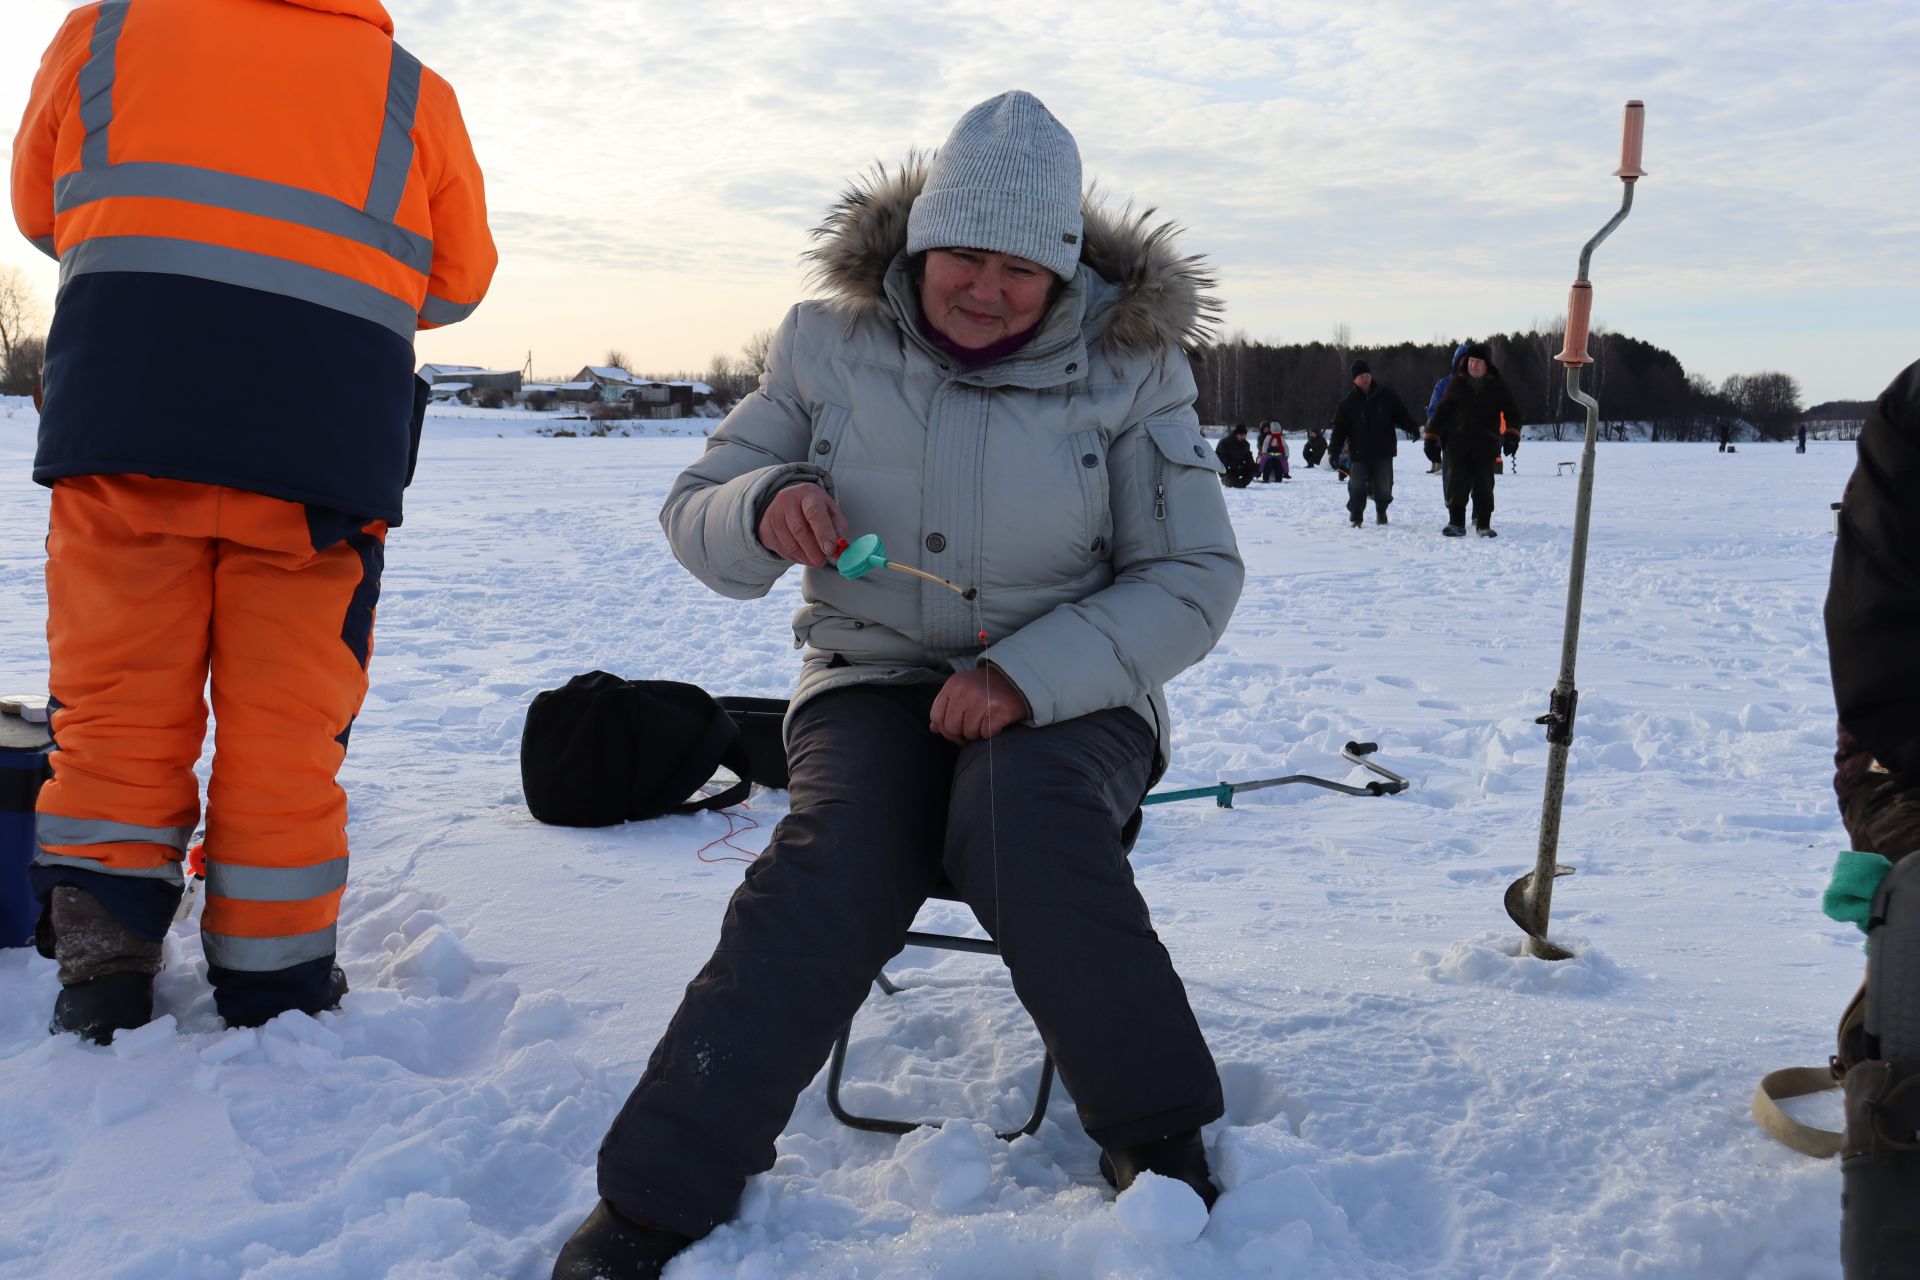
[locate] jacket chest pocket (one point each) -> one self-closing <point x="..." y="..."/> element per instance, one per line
<point x="1185" y="492"/>
<point x="830" y="423"/>
<point x="1087" y="454"/>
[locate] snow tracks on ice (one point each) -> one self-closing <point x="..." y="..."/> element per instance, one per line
<point x="436" y="1126"/>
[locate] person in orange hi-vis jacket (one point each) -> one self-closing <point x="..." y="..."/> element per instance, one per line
<point x="230" y="186"/>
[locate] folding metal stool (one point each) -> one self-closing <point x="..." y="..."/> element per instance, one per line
<point x="836" y="1065"/>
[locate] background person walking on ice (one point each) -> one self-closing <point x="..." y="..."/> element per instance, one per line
<point x="1363" y="424"/>
<point x="207" y="215"/>
<point x="1468" y="424"/>
<point x="973" y="342"/>
<point x="1435" y="453"/>
<point x="1435" y="456"/>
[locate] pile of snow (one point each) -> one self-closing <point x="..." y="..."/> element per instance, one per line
<point x="1407" y="1095"/>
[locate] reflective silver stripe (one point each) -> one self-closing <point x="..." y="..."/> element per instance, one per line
<point x="153" y="180"/>
<point x="395" y="158"/>
<point x="45" y="245"/>
<point x="259" y="955"/>
<point x="275" y="884"/>
<point x="170" y="872"/>
<point x="56" y="829"/>
<point x="436" y="310"/>
<point x="95" y="82"/>
<point x="239" y="267"/>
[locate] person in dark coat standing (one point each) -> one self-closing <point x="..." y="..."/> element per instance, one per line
<point x="1873" y="628"/>
<point x="1364" y="422"/>
<point x="1477" y="409"/>
<point x="1236" y="455"/>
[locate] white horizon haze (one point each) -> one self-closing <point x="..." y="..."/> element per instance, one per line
<point x="1418" y="172"/>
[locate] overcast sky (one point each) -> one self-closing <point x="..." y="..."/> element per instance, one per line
<point x="1417" y="170"/>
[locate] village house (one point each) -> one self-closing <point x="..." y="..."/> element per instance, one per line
<point x="649" y="399"/>
<point x="465" y="382"/>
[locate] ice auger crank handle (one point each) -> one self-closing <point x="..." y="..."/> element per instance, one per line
<point x="1222" y="793"/>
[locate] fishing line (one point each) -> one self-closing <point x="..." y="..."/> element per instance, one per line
<point x="864" y="554"/>
<point x="745" y="855"/>
<point x="993" y="806"/>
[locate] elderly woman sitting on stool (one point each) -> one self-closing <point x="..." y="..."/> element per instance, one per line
<point x="996" y="381"/>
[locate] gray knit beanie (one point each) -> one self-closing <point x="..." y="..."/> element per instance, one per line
<point x="1007" y="181"/>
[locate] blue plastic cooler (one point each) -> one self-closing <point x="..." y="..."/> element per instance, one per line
<point x="23" y="767"/>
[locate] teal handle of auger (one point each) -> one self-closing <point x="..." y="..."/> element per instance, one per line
<point x="1221" y="794"/>
<point x="862" y="556"/>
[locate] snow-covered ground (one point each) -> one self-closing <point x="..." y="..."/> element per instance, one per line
<point x="1407" y="1096"/>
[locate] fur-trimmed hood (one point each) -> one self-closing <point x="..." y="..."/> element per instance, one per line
<point x="1163" y="299"/>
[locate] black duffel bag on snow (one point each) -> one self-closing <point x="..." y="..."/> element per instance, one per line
<point x="602" y="750"/>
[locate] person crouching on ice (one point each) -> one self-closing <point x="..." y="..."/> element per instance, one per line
<point x="207" y="217"/>
<point x="1315" y="448"/>
<point x="1236" y="458"/>
<point x="977" y="388"/>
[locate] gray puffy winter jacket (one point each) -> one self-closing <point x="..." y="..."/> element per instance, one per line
<point x="1068" y="483"/>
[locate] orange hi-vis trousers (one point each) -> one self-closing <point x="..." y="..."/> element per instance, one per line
<point x="153" y="586"/>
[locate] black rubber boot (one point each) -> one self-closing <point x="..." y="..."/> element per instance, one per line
<point x="247" y="999"/>
<point x="106" y="970"/>
<point x="1880" y="1175"/>
<point x="611" y="1246"/>
<point x="95" y="1009"/>
<point x="1182" y="1157"/>
<point x="1486" y="531"/>
<point x="1454" y="531"/>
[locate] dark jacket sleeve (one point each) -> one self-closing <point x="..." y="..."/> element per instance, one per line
<point x="1873" y="598"/>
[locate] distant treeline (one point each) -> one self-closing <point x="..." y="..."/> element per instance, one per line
<point x="1298" y="384"/>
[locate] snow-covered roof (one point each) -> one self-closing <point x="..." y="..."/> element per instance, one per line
<point x="612" y="373"/>
<point x="699" y="388"/>
<point x="451" y="388"/>
<point x="437" y="373"/>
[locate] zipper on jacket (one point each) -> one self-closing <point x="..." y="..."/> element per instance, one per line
<point x="1160" y="502"/>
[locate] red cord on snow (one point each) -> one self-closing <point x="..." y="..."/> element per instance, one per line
<point x="744" y="855"/>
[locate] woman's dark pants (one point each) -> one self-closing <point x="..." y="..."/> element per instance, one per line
<point x="1032" y="830"/>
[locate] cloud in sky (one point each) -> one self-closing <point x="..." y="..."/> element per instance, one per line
<point x="1411" y="169"/>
